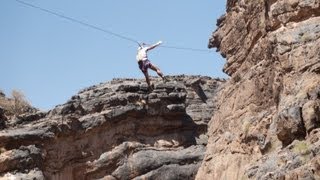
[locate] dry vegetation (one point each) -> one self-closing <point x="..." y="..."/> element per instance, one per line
<point x="17" y="104"/>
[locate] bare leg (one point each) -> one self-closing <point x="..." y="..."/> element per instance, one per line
<point x="156" y="69"/>
<point x="146" y="74"/>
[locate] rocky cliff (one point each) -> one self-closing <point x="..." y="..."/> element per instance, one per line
<point x="114" y="130"/>
<point x="267" y="123"/>
<point x="265" y="119"/>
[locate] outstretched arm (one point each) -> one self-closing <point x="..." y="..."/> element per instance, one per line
<point x="155" y="45"/>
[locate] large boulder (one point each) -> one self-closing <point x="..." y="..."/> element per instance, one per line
<point x="290" y="125"/>
<point x="311" y="115"/>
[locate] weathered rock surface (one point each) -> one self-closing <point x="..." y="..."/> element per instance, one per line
<point x="17" y="109"/>
<point x="2" y="95"/>
<point x="115" y="130"/>
<point x="267" y="122"/>
<point x="3" y="118"/>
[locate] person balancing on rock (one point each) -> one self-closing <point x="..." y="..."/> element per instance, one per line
<point x="144" y="62"/>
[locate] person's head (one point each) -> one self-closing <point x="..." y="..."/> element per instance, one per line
<point x="141" y="45"/>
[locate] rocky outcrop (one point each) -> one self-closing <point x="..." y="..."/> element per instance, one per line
<point x="17" y="109"/>
<point x="115" y="130"/>
<point x="267" y="122"/>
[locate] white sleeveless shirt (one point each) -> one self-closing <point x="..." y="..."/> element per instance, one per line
<point x="142" y="54"/>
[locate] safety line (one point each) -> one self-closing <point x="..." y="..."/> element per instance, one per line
<point x="185" y="48"/>
<point x="101" y="29"/>
<point x="77" y="21"/>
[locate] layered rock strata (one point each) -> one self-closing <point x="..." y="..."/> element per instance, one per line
<point x="267" y="125"/>
<point x="115" y="130"/>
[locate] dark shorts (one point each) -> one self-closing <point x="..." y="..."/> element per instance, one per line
<point x="144" y="65"/>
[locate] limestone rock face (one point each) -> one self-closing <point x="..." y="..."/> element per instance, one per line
<point x="115" y="130"/>
<point x="267" y="122"/>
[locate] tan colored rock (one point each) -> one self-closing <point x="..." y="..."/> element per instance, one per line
<point x="290" y="125"/>
<point x="267" y="110"/>
<point x="311" y="115"/>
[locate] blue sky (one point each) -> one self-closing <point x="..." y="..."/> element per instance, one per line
<point x="50" y="59"/>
